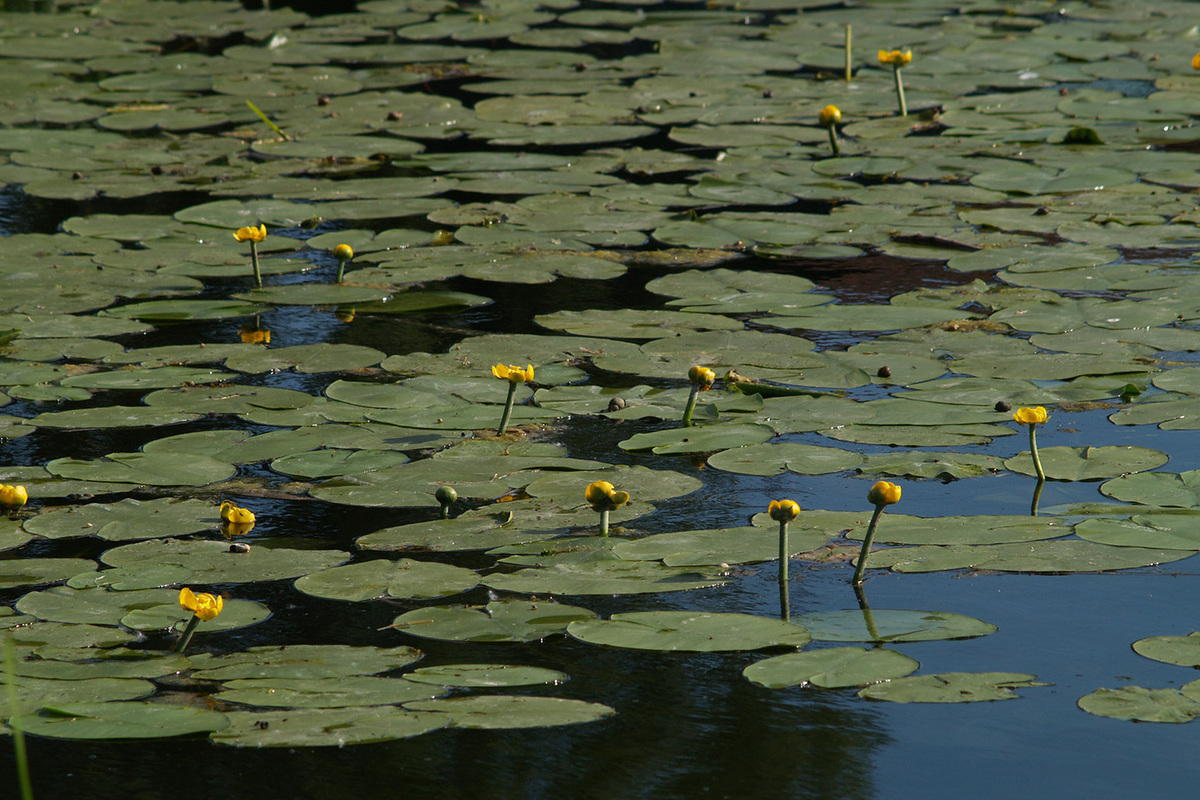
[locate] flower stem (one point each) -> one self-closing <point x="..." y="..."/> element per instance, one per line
<point x="785" y="612"/>
<point x="833" y="142"/>
<point x="182" y="644"/>
<point x="847" y="54"/>
<point x="341" y="270"/>
<point x="508" y="407"/>
<point x="868" y="615"/>
<point x="691" y="405"/>
<point x="866" y="546"/>
<point x="254" y="261"/>
<point x="1037" y="462"/>
<point x="604" y="522"/>
<point x="19" y="755"/>
<point x="900" y="90"/>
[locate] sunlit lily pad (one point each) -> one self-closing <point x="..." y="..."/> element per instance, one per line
<point x="1068" y="555"/>
<point x="490" y="676"/>
<point x="605" y="575"/>
<point x="126" y="519"/>
<point x="951" y="687"/>
<point x="832" y="668"/>
<point x="887" y="625"/>
<point x="1141" y="705"/>
<point x="722" y="545"/>
<point x="33" y="571"/>
<point x="698" y="439"/>
<point x="776" y="459"/>
<point x="1159" y="531"/>
<point x="372" y="580"/>
<point x="498" y="621"/>
<point x="212" y="562"/>
<point x="334" y="692"/>
<point x="301" y="661"/>
<point x="144" y="468"/>
<point x="1164" y="489"/>
<point x="1088" y="463"/>
<point x="689" y="631"/>
<point x="1181" y="650"/>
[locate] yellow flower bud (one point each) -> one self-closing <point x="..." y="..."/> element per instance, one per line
<point x="204" y="606"/>
<point x="513" y="374"/>
<point x="829" y="115"/>
<point x="896" y="58"/>
<point x="783" y="510"/>
<point x="13" y="497"/>
<point x="602" y="495"/>
<point x="251" y="234"/>
<point x="883" y="494"/>
<point x="343" y="252"/>
<point x="1031" y="416"/>
<point x="233" y="514"/>
<point x="702" y="377"/>
<point x="1196" y="61"/>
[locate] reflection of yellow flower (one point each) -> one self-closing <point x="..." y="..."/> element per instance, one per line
<point x="13" y="497"/>
<point x="602" y="495"/>
<point x="1031" y="416"/>
<point x="702" y="377"/>
<point x="1196" y="61"/>
<point x="204" y="606"/>
<point x="829" y="115"/>
<point x="231" y="529"/>
<point x="884" y="494"/>
<point x="251" y="234"/>
<point x="783" y="510"/>
<point x="234" y="514"/>
<point x="343" y="252"/>
<point x="896" y="58"/>
<point x="255" y="335"/>
<point x="512" y="374"/>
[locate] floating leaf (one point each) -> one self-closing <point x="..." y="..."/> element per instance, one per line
<point x="124" y="720"/>
<point x="324" y="727"/>
<point x="335" y="692"/>
<point x="1141" y="705"/>
<point x="1181" y="650"/>
<point x="951" y="687"/>
<point x="144" y="468"/>
<point x="833" y="668"/>
<point x="301" y="661"/>
<point x="1067" y="555"/>
<point x="498" y="621"/>
<point x="502" y="712"/>
<point x="372" y="580"/>
<point x="489" y="676"/>
<point x="1088" y="463"/>
<point x="689" y="631"/>
<point x="887" y="625"/>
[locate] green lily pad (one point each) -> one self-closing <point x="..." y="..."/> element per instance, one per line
<point x="951" y="687"/>
<point x="1162" y="489"/>
<point x="605" y="575"/>
<point x="335" y="692"/>
<point x="144" y="468"/>
<point x="887" y="625"/>
<point x="212" y="562"/>
<point x="118" y="720"/>
<point x="965" y="530"/>
<point x="698" y="439"/>
<point x="1158" y="531"/>
<point x="1088" y="463"/>
<point x="833" y="668"/>
<point x="1181" y="650"/>
<point x="1141" y="705"/>
<point x="308" y="661"/>
<point x="127" y="519"/>
<point x="722" y="545"/>
<point x="324" y="727"/>
<point x="502" y="712"/>
<point x="373" y="580"/>
<point x="236" y="613"/>
<point x="38" y="692"/>
<point x="940" y="466"/>
<point x="33" y="571"/>
<point x="489" y="676"/>
<point x="778" y="458"/>
<point x="498" y="621"/>
<point x="1068" y="555"/>
<point x="689" y="631"/>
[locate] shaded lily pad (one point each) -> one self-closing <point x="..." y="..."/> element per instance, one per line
<point x="33" y="571"/>
<point x="126" y="519"/>
<point x="335" y="692"/>
<point x="833" y="668"/>
<point x="144" y="468"/>
<point x="951" y="687"/>
<point x="301" y="661"/>
<point x="118" y="720"/>
<point x="474" y="676"/>
<point x="324" y="727"/>
<point x="502" y="712"/>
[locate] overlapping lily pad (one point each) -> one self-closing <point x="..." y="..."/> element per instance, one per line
<point x="689" y="631"/>
<point x="832" y="668"/>
<point x="498" y="621"/>
<point x="951" y="687"/>
<point x="372" y="580"/>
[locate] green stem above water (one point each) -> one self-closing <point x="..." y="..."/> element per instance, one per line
<point x="866" y="546"/>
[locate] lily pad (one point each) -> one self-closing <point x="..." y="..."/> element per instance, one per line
<point x="373" y="580"/>
<point x="1088" y="463"/>
<point x="867" y="625"/>
<point x="833" y="668"/>
<point x="951" y="687"/>
<point x="301" y="661"/>
<point x="1066" y="555"/>
<point x="324" y="727"/>
<point x="498" y="621"/>
<point x="118" y="720"/>
<point x="503" y="712"/>
<point x="489" y="676"/>
<point x="127" y="519"/>
<point x="144" y="468"/>
<point x="1141" y="705"/>
<point x="212" y="562"/>
<point x="336" y="692"/>
<point x="1181" y="650"/>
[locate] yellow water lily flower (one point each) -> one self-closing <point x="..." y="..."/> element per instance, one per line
<point x="512" y="374"/>
<point x="251" y="234"/>
<point x="13" y="497"/>
<point x="602" y="496"/>
<point x="897" y="58"/>
<point x="205" y="606"/>
<point x="783" y="510"/>
<point x="236" y="515"/>
<point x="1196" y="61"/>
<point x="255" y="335"/>
<point x="343" y="252"/>
<point x="884" y="494"/>
<point x="829" y="115"/>
<point x="1031" y="416"/>
<point x="702" y="377"/>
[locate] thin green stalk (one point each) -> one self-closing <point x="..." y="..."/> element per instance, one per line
<point x="785" y="611"/>
<point x="866" y="546"/>
<point x="182" y="644"/>
<point x="868" y="615"/>
<point x="847" y="54"/>
<point x="691" y="405"/>
<point x="270" y="124"/>
<point x="833" y="142"/>
<point x="19" y="754"/>
<point x="341" y="270"/>
<point x="604" y="522"/>
<point x="1037" y="462"/>
<point x="508" y="407"/>
<point x="254" y="261"/>
<point x="900" y="90"/>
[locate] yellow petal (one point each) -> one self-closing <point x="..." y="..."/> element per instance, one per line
<point x="187" y="599"/>
<point x="343" y="252"/>
<point x="884" y="494"/>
